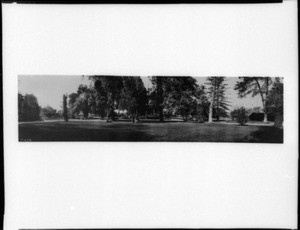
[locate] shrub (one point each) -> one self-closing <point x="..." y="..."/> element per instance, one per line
<point x="233" y="114"/>
<point x="49" y="112"/>
<point x="29" y="109"/>
<point x="241" y="115"/>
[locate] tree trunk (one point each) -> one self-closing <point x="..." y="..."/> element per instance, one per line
<point x="210" y="114"/>
<point x="86" y="114"/>
<point x="265" y="117"/>
<point x="136" y="117"/>
<point x="107" y="113"/>
<point x="263" y="100"/>
<point x="217" y="107"/>
<point x="161" y="116"/>
<point x="160" y="98"/>
<point x="265" y="110"/>
<point x="109" y="106"/>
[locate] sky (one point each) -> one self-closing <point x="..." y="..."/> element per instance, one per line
<point x="49" y="89"/>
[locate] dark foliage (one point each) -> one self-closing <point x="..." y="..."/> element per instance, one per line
<point x="218" y="103"/>
<point x="260" y="117"/>
<point x="49" y="112"/>
<point x="241" y="115"/>
<point x="29" y="109"/>
<point x="255" y="86"/>
<point x="274" y="102"/>
<point x="65" y="109"/>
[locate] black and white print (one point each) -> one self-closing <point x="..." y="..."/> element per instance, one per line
<point x="150" y="108"/>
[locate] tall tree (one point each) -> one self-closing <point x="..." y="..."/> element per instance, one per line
<point x="133" y="96"/>
<point x="174" y="93"/>
<point x="98" y="101"/>
<point x="218" y="101"/>
<point x="202" y="103"/>
<point x="180" y="96"/>
<point x="112" y="86"/>
<point x="255" y="86"/>
<point x="72" y="100"/>
<point x="80" y="101"/>
<point x="30" y="109"/>
<point x="20" y="106"/>
<point x="65" y="108"/>
<point x="158" y="83"/>
<point x="274" y="101"/>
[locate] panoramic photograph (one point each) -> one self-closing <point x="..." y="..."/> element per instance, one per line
<point x="150" y="108"/>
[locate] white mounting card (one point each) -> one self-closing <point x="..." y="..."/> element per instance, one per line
<point x="150" y="184"/>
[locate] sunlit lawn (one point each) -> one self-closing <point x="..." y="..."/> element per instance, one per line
<point x="95" y="130"/>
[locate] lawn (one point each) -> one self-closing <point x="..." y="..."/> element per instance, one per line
<point x="96" y="130"/>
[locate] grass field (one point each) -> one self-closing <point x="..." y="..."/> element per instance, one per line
<point x="95" y="130"/>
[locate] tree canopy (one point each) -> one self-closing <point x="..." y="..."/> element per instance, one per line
<point x="29" y="109"/>
<point x="218" y="102"/>
<point x="116" y="97"/>
<point x="48" y="111"/>
<point x="175" y="95"/>
<point x="255" y="86"/>
<point x="274" y="101"/>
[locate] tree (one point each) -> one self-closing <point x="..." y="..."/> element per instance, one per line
<point x="82" y="101"/>
<point x="274" y="101"/>
<point x="133" y="96"/>
<point x="82" y="104"/>
<point x="241" y="115"/>
<point x="29" y="106"/>
<point x="218" y="105"/>
<point x="98" y="99"/>
<point x="108" y="89"/>
<point x="72" y="107"/>
<point x="20" y="106"/>
<point x="174" y="95"/>
<point x="202" y="103"/>
<point x="180" y="96"/>
<point x="158" y="83"/>
<point x="48" y="111"/>
<point x="255" y="86"/>
<point x="65" y="109"/>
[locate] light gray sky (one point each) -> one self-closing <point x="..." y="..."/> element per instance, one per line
<point x="232" y="95"/>
<point x="49" y="89"/>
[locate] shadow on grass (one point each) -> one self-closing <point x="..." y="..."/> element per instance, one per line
<point x="53" y="132"/>
<point x="141" y="121"/>
<point x="173" y="131"/>
<point x="265" y="134"/>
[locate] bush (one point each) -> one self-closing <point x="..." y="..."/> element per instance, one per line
<point x="29" y="109"/>
<point x="241" y="115"/>
<point x="49" y="112"/>
<point x="260" y="116"/>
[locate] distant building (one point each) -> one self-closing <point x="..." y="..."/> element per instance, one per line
<point x="257" y="110"/>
